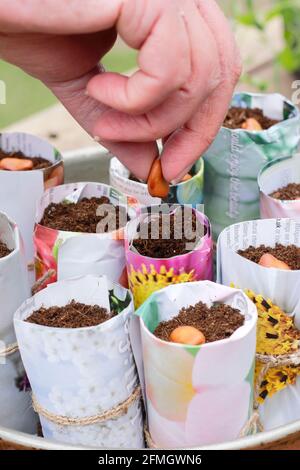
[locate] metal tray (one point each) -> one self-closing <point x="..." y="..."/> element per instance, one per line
<point x="92" y="164"/>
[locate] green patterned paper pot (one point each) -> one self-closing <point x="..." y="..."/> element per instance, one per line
<point x="273" y="176"/>
<point x="233" y="161"/>
<point x="187" y="192"/>
<point x="21" y="190"/>
<point x="197" y="395"/>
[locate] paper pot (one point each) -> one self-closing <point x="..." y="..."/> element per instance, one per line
<point x="188" y="192"/>
<point x="283" y="287"/>
<point x="20" y="190"/>
<point x="81" y="253"/>
<point x="273" y="176"/>
<point x="81" y="372"/>
<point x="233" y="161"/>
<point x="197" y="395"/>
<point x="146" y="275"/>
<point x="15" y="412"/>
<point x="278" y="392"/>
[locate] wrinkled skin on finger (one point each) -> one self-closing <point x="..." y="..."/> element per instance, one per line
<point x="188" y="66"/>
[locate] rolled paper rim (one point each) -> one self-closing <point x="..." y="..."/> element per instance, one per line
<point x="16" y="236"/>
<point x="144" y="185"/>
<point x="263" y="172"/>
<point x="247" y="328"/>
<point x="208" y="236"/>
<point x="275" y="126"/>
<point x="246" y="260"/>
<point x="58" y="156"/>
<point x="19" y="317"/>
<point x="116" y="234"/>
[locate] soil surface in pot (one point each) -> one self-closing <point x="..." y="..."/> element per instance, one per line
<point x="287" y="193"/>
<point x="38" y="163"/>
<point x="72" y="315"/>
<point x="217" y="322"/>
<point x="237" y="116"/>
<point x="177" y="237"/>
<point x="4" y="251"/>
<point x="289" y="254"/>
<point x="82" y="216"/>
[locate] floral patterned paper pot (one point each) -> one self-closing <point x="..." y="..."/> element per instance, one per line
<point x="82" y="373"/>
<point x="276" y="175"/>
<point x="197" y="395"/>
<point x="147" y="274"/>
<point x="187" y="192"/>
<point x="281" y="286"/>
<point x="20" y="190"/>
<point x="15" y="412"/>
<point x="233" y="161"/>
<point x="75" y="253"/>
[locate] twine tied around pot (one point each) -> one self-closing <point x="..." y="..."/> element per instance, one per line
<point x="38" y="284"/>
<point x="253" y="425"/>
<point x="269" y="361"/>
<point x="9" y="350"/>
<point x="112" y="413"/>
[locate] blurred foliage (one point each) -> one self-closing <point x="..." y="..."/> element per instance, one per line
<point x="25" y="95"/>
<point x="257" y="14"/>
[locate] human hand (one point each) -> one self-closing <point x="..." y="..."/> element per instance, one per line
<point x="188" y="67"/>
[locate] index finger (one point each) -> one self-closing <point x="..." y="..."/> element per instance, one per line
<point x="164" y="62"/>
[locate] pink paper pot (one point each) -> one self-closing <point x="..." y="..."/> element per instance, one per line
<point x="273" y="176"/>
<point x="147" y="275"/>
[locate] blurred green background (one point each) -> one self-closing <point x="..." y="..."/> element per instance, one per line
<point x="25" y="95"/>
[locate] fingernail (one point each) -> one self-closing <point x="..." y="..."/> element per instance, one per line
<point x="181" y="175"/>
<point x="86" y="92"/>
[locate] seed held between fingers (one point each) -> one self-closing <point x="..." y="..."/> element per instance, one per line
<point x="157" y="185"/>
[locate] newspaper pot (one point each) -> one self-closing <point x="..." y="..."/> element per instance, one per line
<point x="273" y="176"/>
<point x="282" y="286"/>
<point x="233" y="161"/>
<point x="74" y="253"/>
<point x="15" y="411"/>
<point x="146" y="275"/>
<point x="83" y="372"/>
<point x="197" y="395"/>
<point x="20" y="190"/>
<point x="187" y="192"/>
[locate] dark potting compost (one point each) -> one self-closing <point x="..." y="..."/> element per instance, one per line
<point x="217" y="322"/>
<point x="82" y="216"/>
<point x="72" y="315"/>
<point x="4" y="250"/>
<point x="177" y="237"/>
<point x="287" y="193"/>
<point x="289" y="254"/>
<point x="237" y="116"/>
<point x="37" y="163"/>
